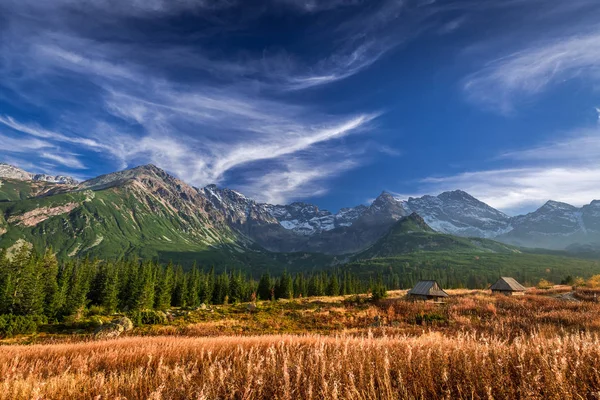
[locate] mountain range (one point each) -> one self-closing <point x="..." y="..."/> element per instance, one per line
<point x="146" y="212"/>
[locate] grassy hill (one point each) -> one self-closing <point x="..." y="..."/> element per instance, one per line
<point x="13" y="190"/>
<point x="412" y="235"/>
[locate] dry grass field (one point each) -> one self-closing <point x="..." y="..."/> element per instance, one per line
<point x="477" y="346"/>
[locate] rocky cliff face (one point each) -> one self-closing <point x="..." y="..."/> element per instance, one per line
<point x="459" y="213"/>
<point x="11" y="172"/>
<point x="307" y="219"/>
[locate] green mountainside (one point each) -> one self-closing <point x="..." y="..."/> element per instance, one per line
<point x="13" y="190"/>
<point x="143" y="213"/>
<point x="412" y="235"/>
<point x="412" y="251"/>
<point x="146" y="213"/>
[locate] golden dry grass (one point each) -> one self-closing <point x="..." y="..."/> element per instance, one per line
<point x="432" y="366"/>
<point x="477" y="346"/>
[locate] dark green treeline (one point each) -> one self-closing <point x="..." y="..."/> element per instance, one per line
<point x="37" y="284"/>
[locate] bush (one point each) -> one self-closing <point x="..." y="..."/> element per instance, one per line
<point x="96" y="310"/>
<point x="544" y="284"/>
<point x="11" y="325"/>
<point x="148" y="317"/>
<point x="424" y="319"/>
<point x="378" y="290"/>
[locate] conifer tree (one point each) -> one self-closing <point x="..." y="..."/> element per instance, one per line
<point x="285" y="287"/>
<point x="265" y="287"/>
<point x="49" y="284"/>
<point x="333" y="287"/>
<point x="164" y="288"/>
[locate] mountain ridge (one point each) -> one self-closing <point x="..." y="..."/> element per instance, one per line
<point x="12" y="172"/>
<point x="304" y="227"/>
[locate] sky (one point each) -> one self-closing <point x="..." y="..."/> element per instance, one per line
<point x="324" y="101"/>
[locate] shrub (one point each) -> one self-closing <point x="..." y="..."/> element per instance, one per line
<point x="544" y="284"/>
<point x="96" y="310"/>
<point x="422" y="319"/>
<point x="594" y="281"/>
<point x="11" y="325"/>
<point x="148" y="317"/>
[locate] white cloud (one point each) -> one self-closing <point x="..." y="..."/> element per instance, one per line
<point x="524" y="188"/>
<point x="68" y="160"/>
<point x="35" y="130"/>
<point x="84" y="65"/>
<point x="137" y="8"/>
<point x="566" y="170"/>
<point x="580" y="147"/>
<point x="313" y="6"/>
<point x="130" y="106"/>
<point x="294" y="179"/>
<point x="342" y="66"/>
<point x="532" y="70"/>
<point x="235" y="127"/>
<point x="21" y="144"/>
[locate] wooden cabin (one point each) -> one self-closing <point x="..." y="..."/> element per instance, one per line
<point x="427" y="290"/>
<point x="508" y="287"/>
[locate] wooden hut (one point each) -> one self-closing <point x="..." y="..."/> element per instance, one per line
<point x="427" y="290"/>
<point x="508" y="287"/>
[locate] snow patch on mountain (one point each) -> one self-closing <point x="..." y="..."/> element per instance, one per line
<point x="307" y="219"/>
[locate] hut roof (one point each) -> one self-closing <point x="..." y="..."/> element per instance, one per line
<point x="428" y="288"/>
<point x="508" y="284"/>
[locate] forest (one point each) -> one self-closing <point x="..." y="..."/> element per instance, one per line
<point x="39" y="285"/>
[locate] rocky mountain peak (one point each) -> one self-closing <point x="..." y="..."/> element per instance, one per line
<point x="552" y="205"/>
<point x="135" y="173"/>
<point x="11" y="172"/>
<point x="384" y="198"/>
<point x="456" y="195"/>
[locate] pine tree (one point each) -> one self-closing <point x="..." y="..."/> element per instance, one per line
<point x="236" y="288"/>
<point x="143" y="298"/>
<point x="285" y="287"/>
<point x="179" y="288"/>
<point x="164" y="288"/>
<point x="28" y="295"/>
<point x="265" y="287"/>
<point x="333" y="287"/>
<point x="49" y="275"/>
<point x="192" y="296"/>
<point x="77" y="288"/>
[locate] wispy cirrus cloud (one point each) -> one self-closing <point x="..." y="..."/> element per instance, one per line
<point x="294" y="178"/>
<point x="67" y="160"/>
<point x="534" y="69"/>
<point x="160" y="123"/>
<point x="519" y="189"/>
<point x="22" y="145"/>
<point x="565" y="170"/>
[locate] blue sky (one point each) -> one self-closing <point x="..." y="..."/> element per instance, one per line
<point x="327" y="101"/>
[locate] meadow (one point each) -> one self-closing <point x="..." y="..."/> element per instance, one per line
<point x="545" y="345"/>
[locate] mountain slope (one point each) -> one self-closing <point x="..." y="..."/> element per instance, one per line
<point x="139" y="211"/>
<point x="13" y="189"/>
<point x="412" y="234"/>
<point x="556" y="225"/>
<point x="459" y="213"/>
<point x="147" y="212"/>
